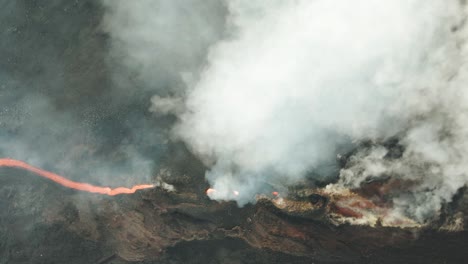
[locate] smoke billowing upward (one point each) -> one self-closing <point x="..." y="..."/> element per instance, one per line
<point x="300" y="80"/>
<point x="293" y="84"/>
<point x="263" y="92"/>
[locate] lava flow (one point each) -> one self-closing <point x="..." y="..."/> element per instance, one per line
<point x="72" y="184"/>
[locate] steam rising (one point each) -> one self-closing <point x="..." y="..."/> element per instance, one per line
<point x="265" y="93"/>
<point x="294" y="83"/>
<point x="300" y="80"/>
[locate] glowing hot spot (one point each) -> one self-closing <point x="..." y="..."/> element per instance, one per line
<point x="210" y="191"/>
<point x="72" y="184"/>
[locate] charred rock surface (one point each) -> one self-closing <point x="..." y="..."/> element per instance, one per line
<point x="158" y="226"/>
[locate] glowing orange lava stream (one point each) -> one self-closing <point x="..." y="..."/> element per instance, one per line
<point x="72" y="184"/>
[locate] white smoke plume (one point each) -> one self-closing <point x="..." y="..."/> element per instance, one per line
<point x="292" y="82"/>
<point x="299" y="78"/>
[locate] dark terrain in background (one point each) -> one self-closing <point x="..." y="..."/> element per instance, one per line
<point x="60" y="108"/>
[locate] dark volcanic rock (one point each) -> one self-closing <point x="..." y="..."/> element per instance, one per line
<point x="55" y="50"/>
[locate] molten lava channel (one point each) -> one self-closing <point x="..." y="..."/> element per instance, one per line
<point x="72" y="184"/>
